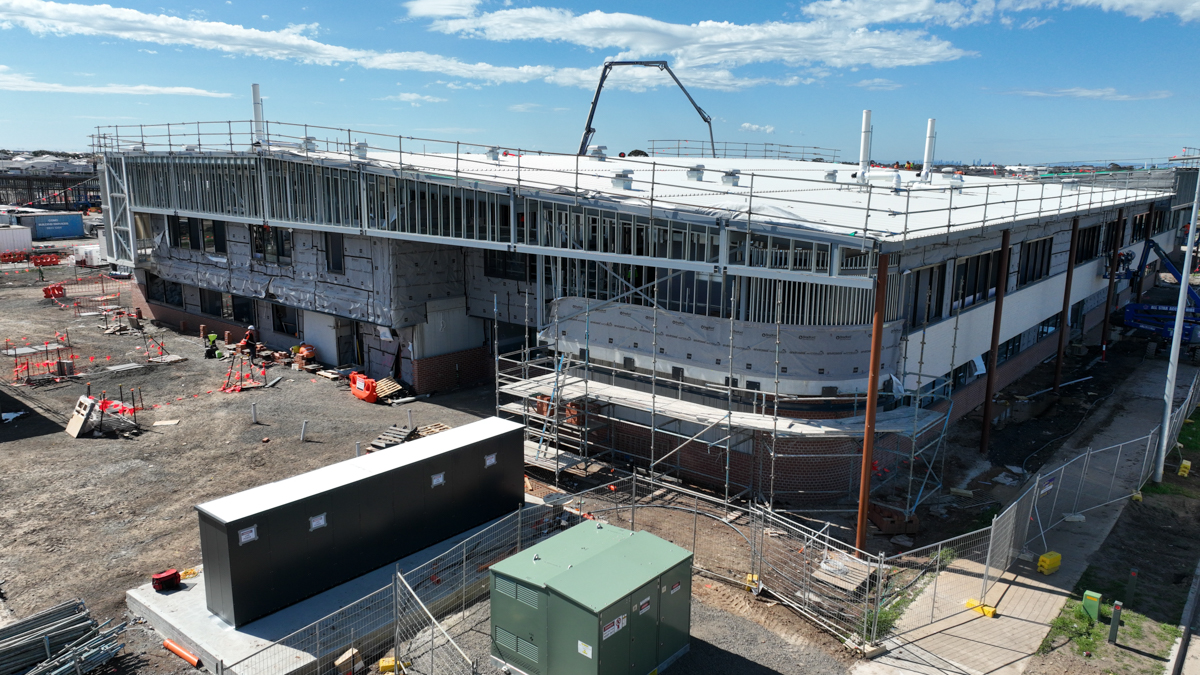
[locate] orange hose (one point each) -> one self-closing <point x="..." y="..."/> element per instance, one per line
<point x="182" y="653"/>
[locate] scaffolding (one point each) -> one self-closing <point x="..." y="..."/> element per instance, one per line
<point x="581" y="415"/>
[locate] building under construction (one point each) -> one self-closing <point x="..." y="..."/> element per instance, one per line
<point x="703" y="318"/>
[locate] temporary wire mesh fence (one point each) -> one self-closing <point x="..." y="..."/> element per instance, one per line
<point x="931" y="583"/>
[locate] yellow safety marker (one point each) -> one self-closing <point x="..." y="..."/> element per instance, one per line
<point x="189" y="573"/>
<point x="751" y="582"/>
<point x="1137" y="496"/>
<point x="986" y="610"/>
<point x="1185" y="467"/>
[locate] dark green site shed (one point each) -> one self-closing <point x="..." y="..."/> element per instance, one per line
<point x="594" y="600"/>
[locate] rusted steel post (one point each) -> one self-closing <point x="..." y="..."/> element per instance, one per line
<point x="1114" y="254"/>
<point x="1063" y="329"/>
<point x="864" y="484"/>
<point x="1001" y="286"/>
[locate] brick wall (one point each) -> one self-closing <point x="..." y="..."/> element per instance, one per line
<point x="449" y="371"/>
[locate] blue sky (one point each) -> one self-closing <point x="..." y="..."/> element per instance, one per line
<point x="1012" y="81"/>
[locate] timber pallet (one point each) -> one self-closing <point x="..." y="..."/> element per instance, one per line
<point x="387" y="388"/>
<point x="395" y="435"/>
<point x="431" y="429"/>
<point x="330" y="374"/>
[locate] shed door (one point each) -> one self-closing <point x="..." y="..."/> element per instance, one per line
<point x="643" y="629"/>
<point x="614" y="639"/>
<point x="675" y="607"/>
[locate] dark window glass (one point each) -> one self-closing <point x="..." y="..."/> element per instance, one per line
<point x="194" y="237"/>
<point x="335" y="255"/>
<point x="211" y="302"/>
<point x="285" y="320"/>
<point x="928" y="295"/>
<point x="243" y="309"/>
<point x="1088" y="246"/>
<point x="506" y="265"/>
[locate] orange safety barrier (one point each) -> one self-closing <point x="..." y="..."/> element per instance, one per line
<point x="14" y="256"/>
<point x="182" y="653"/>
<point x="45" y="260"/>
<point x="363" y="387"/>
<point x="54" y="291"/>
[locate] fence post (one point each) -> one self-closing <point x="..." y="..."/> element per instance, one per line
<point x="987" y="561"/>
<point x="519" y="509"/>
<point x="878" y="599"/>
<point x="1116" y="468"/>
<point x="695" y="525"/>
<point x="464" y="582"/>
<point x="937" y="572"/>
<point x="633" y="505"/>
<point x="1087" y="460"/>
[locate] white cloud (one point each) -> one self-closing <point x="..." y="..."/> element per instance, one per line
<point x="1035" y="22"/>
<point x="441" y="8"/>
<point x="415" y="99"/>
<point x="709" y="43"/>
<point x="524" y="107"/>
<point x="878" y="84"/>
<point x="148" y="51"/>
<point x="1105" y="94"/>
<point x="10" y="81"/>
<point x="264" y="16"/>
<point x="757" y="128"/>
<point x="964" y="12"/>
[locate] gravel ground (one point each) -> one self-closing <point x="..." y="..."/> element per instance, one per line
<point x="729" y="638"/>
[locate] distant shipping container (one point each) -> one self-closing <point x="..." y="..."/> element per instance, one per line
<point x="16" y="238"/>
<point x="54" y="225"/>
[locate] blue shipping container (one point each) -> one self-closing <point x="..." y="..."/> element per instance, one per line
<point x="55" y="225"/>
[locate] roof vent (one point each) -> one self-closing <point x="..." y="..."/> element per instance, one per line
<point x="310" y="143"/>
<point x="493" y="153"/>
<point x="1070" y="184"/>
<point x="831" y="175"/>
<point x="696" y="172"/>
<point x="360" y="150"/>
<point x="955" y="181"/>
<point x="191" y="148"/>
<point x="731" y="177"/>
<point x="623" y="179"/>
<point x="596" y="152"/>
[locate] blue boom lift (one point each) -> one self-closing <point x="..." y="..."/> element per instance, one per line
<point x="1159" y="319"/>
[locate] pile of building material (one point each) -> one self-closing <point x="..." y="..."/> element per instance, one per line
<point x="395" y="435"/>
<point x="58" y="641"/>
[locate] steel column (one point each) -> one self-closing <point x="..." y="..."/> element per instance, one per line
<point x="1063" y="327"/>
<point x="864" y="483"/>
<point x="1114" y="254"/>
<point x="1001" y="287"/>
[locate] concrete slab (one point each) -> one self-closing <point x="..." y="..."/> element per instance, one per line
<point x="183" y="615"/>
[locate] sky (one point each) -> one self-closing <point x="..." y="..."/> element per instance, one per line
<point x="1009" y="81"/>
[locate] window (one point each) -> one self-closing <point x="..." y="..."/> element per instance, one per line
<point x="975" y="278"/>
<point x="1111" y="231"/>
<point x="213" y="233"/>
<point x="929" y="290"/>
<point x="227" y="306"/>
<point x="506" y="265"/>
<point x="1088" y="246"/>
<point x="335" y="253"/>
<point x="1008" y="349"/>
<point x="285" y="321"/>
<point x="1035" y="261"/>
<point x="183" y="232"/>
<point x="272" y="244"/>
<point x="1048" y="326"/>
<point x="161" y="290"/>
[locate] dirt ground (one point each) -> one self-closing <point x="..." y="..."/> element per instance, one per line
<point x="93" y="517"/>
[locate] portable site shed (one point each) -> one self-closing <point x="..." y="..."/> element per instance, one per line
<point x="274" y="545"/>
<point x="594" y="600"/>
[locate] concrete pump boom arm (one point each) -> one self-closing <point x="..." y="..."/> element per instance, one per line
<point x="588" y="131"/>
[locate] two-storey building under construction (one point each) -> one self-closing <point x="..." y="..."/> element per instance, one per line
<point x="706" y="317"/>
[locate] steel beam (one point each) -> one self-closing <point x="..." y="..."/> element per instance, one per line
<point x="1063" y="329"/>
<point x="864" y="485"/>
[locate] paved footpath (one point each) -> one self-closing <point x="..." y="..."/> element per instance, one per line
<point x="967" y="643"/>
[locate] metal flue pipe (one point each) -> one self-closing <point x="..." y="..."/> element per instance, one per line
<point x="927" y="162"/>
<point x="259" y="135"/>
<point x="864" y="151"/>
<point x="1164" y="436"/>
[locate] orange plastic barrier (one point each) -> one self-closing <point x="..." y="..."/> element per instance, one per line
<point x="46" y="260"/>
<point x="14" y="256"/>
<point x="182" y="653"/>
<point x="363" y="387"/>
<point x="54" y="291"/>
